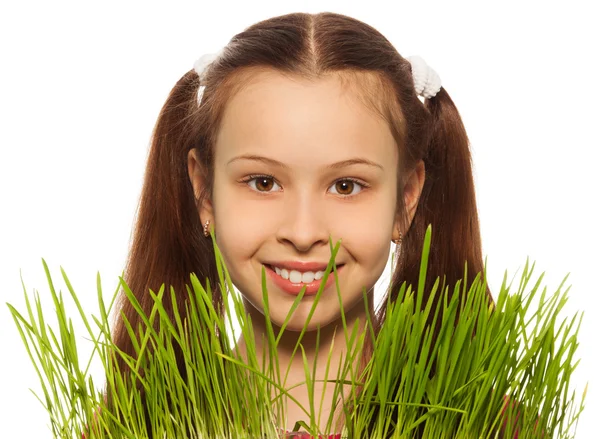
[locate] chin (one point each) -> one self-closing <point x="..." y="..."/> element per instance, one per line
<point x="296" y="324"/>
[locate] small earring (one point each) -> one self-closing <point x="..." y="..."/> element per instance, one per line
<point x="399" y="240"/>
<point x="206" y="232"/>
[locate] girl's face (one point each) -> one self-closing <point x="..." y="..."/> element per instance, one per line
<point x="295" y="163"/>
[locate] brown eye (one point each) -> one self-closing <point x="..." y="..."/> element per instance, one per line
<point x="348" y="187"/>
<point x="262" y="183"/>
<point x="344" y="187"/>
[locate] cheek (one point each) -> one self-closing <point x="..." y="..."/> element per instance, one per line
<point x="367" y="226"/>
<point x="372" y="256"/>
<point x="367" y="237"/>
<point x="241" y="225"/>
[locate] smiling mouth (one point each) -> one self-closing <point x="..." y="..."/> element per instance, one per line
<point x="298" y="277"/>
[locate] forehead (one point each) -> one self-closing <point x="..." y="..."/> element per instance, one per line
<point x="275" y="112"/>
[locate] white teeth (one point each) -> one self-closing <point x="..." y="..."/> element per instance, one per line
<point x="297" y="277"/>
<point x="308" y="277"/>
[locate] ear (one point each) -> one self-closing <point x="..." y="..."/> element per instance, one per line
<point x="413" y="187"/>
<point x="197" y="176"/>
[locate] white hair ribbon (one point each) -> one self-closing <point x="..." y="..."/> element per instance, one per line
<point x="427" y="81"/>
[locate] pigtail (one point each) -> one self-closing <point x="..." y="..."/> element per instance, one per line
<point x="453" y="192"/>
<point x="168" y="242"/>
<point x="447" y="202"/>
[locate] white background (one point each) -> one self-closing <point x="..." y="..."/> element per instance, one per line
<point x="81" y="85"/>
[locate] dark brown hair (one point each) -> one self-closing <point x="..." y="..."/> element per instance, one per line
<point x="168" y="242"/>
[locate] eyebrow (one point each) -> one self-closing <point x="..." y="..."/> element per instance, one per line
<point x="337" y="165"/>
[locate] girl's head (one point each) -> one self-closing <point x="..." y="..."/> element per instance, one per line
<point x="297" y="159"/>
<point x="309" y="127"/>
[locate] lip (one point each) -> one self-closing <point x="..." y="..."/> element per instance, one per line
<point x="292" y="288"/>
<point x="300" y="266"/>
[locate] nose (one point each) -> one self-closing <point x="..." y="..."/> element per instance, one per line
<point x="304" y="222"/>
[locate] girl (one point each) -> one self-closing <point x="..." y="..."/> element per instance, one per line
<point x="304" y="127"/>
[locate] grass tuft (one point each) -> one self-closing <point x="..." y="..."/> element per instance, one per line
<point x="490" y="372"/>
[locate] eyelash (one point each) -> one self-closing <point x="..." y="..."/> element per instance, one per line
<point x="249" y="178"/>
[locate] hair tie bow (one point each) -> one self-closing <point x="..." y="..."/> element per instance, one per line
<point x="427" y="81"/>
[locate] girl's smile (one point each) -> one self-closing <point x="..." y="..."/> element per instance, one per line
<point x="292" y="281"/>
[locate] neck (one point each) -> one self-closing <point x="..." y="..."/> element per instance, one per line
<point x="331" y="343"/>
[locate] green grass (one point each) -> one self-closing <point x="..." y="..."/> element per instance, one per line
<point x="490" y="369"/>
